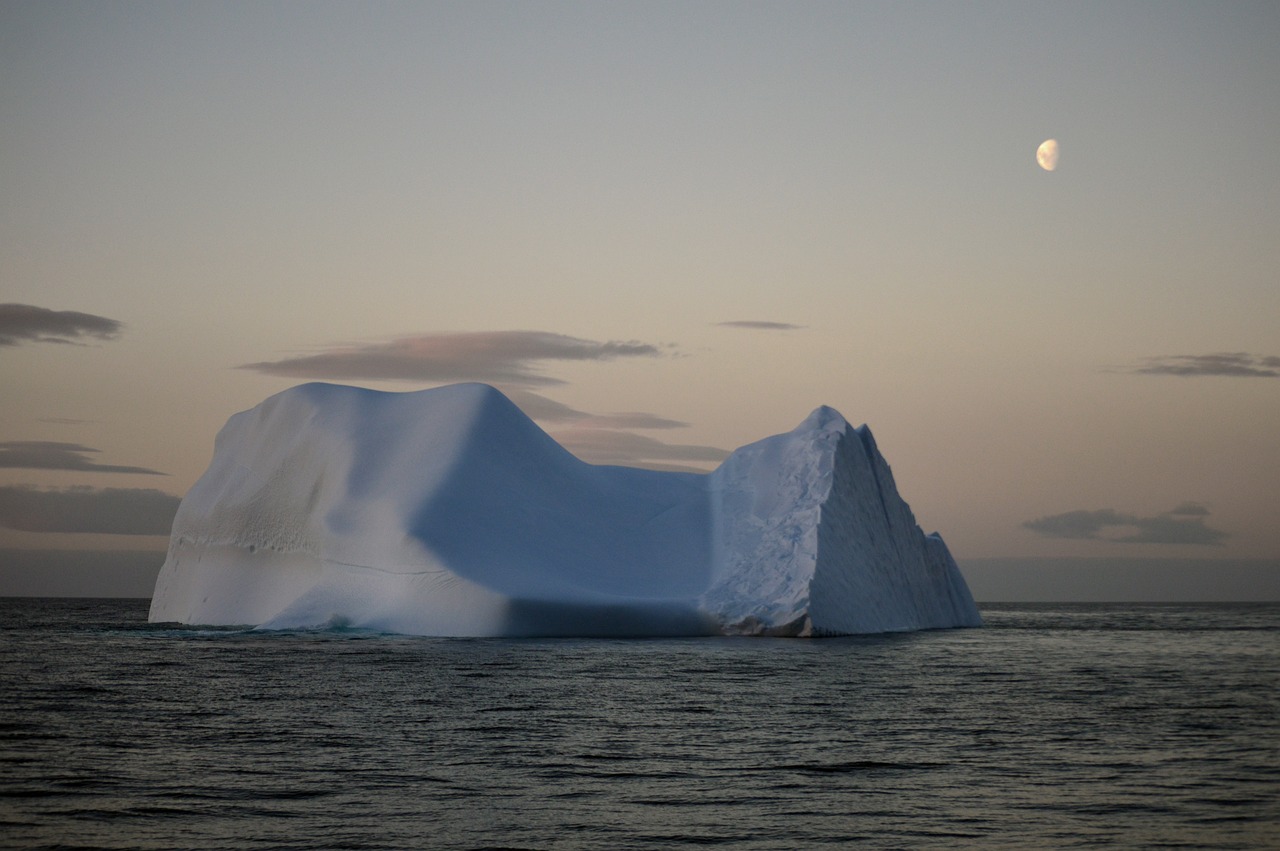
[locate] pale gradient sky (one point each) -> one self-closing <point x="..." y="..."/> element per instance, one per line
<point x="709" y="217"/>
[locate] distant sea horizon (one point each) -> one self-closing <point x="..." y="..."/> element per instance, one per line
<point x="131" y="574"/>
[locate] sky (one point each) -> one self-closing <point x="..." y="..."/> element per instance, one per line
<point x="666" y="230"/>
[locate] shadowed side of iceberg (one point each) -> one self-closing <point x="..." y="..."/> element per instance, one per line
<point x="526" y="618"/>
<point x="520" y="514"/>
<point x="812" y="538"/>
<point x="870" y="550"/>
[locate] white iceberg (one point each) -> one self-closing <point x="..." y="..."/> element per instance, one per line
<point x="449" y="512"/>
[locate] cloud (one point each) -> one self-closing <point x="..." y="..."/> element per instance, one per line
<point x="1170" y="529"/>
<point x="606" y="446"/>
<point x="541" y="408"/>
<point x="1229" y="364"/>
<point x="20" y="323"/>
<point x="630" y="419"/>
<point x="112" y="511"/>
<point x="596" y="438"/>
<point x="1184" y="525"/>
<point x="499" y="357"/>
<point x="52" y="455"/>
<point x="760" y="325"/>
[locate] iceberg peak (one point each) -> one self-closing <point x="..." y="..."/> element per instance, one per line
<point x="824" y="418"/>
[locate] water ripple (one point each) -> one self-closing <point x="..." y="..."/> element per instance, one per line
<point x="1056" y="727"/>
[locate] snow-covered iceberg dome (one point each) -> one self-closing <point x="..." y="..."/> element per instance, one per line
<point x="449" y="512"/>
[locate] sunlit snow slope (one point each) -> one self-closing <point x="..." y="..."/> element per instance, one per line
<point x="449" y="512"/>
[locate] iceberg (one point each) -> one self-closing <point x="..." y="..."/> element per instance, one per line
<point x="448" y="512"/>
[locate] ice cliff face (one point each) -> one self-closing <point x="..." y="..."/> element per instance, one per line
<point x="813" y="538"/>
<point x="449" y="512"/>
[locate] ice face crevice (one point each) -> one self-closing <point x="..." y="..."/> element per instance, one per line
<point x="449" y="512"/>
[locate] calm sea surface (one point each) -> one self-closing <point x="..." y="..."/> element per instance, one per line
<point x="1055" y="726"/>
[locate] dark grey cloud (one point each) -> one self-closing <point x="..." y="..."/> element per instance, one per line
<point x="760" y="325"/>
<point x="26" y="323"/>
<point x="1171" y="529"/>
<point x="1184" y="525"/>
<point x="498" y="357"/>
<point x="546" y="410"/>
<point x="53" y="455"/>
<point x="1228" y="364"/>
<point x="606" y="446"/>
<point x="112" y="511"/>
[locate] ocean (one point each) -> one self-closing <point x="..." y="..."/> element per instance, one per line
<point x="1055" y="726"/>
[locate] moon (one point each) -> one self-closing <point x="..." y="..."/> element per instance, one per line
<point x="1047" y="154"/>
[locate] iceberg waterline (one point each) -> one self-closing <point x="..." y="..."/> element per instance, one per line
<point x="449" y="512"/>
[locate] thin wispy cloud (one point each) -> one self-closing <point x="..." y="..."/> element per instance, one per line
<point x="760" y="325"/>
<point x="1183" y="525"/>
<point x="1220" y="364"/>
<point x="497" y="357"/>
<point x="54" y="455"/>
<point x="602" y="439"/>
<point x="546" y="410"/>
<point x="111" y="511"/>
<point x="26" y="323"/>
<point x="607" y="446"/>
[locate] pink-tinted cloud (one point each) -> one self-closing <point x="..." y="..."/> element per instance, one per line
<point x="498" y="357"/>
<point x="546" y="410"/>
<point x="607" y="446"/>
<point x="760" y="325"/>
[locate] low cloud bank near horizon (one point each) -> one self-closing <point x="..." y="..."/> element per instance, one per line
<point x="55" y="455"/>
<point x="1220" y="364"/>
<point x="111" y="511"/>
<point x="1183" y="525"/>
<point x="26" y="323"/>
<point x="79" y="573"/>
<point x="1039" y="579"/>
<point x="498" y="357"/>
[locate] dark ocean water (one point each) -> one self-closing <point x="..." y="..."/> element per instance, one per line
<point x="1056" y="726"/>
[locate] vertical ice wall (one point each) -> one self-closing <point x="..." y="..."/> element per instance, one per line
<point x="812" y="538"/>
<point x="876" y="570"/>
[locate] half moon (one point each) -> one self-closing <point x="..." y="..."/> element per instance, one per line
<point x="1047" y="154"/>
